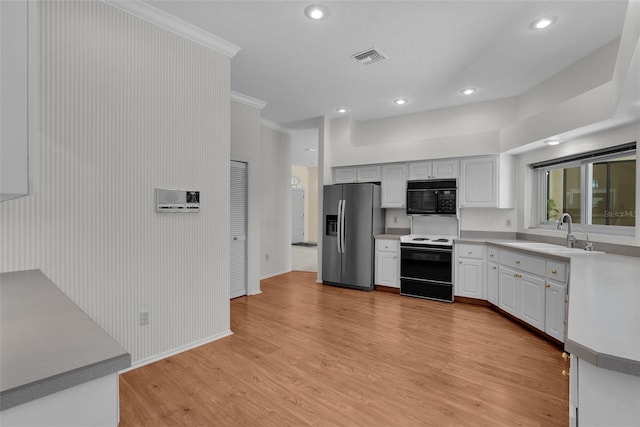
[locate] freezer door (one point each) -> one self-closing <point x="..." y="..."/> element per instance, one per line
<point x="331" y="259"/>
<point x="358" y="254"/>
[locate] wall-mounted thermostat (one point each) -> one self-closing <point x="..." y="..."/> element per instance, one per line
<point x="177" y="200"/>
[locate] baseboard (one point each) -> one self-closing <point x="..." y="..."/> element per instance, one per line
<point x="475" y="301"/>
<point x="390" y="289"/>
<point x="275" y="274"/>
<point x="175" y="351"/>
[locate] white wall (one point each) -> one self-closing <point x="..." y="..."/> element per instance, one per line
<point x="276" y="203"/>
<point x="127" y="107"/>
<point x="246" y="146"/>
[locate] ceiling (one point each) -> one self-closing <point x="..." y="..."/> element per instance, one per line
<point x="304" y="69"/>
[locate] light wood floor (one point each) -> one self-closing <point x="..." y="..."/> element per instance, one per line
<point x="307" y="354"/>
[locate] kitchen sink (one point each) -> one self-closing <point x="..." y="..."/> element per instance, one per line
<point x="548" y="247"/>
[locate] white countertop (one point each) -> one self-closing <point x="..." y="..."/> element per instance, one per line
<point x="603" y="316"/>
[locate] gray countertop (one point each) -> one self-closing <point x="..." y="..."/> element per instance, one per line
<point x="603" y="319"/>
<point x="48" y="343"/>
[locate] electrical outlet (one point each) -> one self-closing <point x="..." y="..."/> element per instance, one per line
<point x="144" y="318"/>
<point x="267" y="257"/>
<point x="507" y="222"/>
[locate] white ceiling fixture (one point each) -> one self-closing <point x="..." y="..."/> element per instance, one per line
<point x="553" y="141"/>
<point x="342" y="110"/>
<point x="469" y="91"/>
<point x="369" y="56"/>
<point x="316" y="12"/>
<point x="400" y="101"/>
<point x="542" y="23"/>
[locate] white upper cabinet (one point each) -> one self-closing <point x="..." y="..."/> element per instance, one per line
<point x="18" y="97"/>
<point x="394" y="185"/>
<point x="350" y="174"/>
<point x="487" y="182"/>
<point x="433" y="169"/>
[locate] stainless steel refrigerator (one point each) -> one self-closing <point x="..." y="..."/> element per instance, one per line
<point x="351" y="217"/>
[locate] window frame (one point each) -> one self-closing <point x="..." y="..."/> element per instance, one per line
<point x="586" y="178"/>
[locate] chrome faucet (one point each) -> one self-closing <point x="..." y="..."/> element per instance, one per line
<point x="571" y="238"/>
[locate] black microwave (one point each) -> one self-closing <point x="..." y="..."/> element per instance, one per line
<point x="432" y="197"/>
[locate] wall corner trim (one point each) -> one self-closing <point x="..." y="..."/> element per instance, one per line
<point x="248" y="100"/>
<point x="275" y="126"/>
<point x="165" y="20"/>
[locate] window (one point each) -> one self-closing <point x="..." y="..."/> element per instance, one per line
<point x="598" y="189"/>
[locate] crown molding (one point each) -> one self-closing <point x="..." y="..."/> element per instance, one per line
<point x="275" y="126"/>
<point x="248" y="100"/>
<point x="162" y="19"/>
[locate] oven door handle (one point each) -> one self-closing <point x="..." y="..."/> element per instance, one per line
<point x="413" y="248"/>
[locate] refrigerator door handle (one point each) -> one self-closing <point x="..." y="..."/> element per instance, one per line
<point x="342" y="234"/>
<point x="339" y="231"/>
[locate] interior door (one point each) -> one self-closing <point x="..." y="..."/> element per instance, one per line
<point x="238" y="227"/>
<point x="297" y="215"/>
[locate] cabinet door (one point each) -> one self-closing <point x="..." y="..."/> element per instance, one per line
<point x="420" y="170"/>
<point x="470" y="275"/>
<point x="15" y="92"/>
<point x="509" y="291"/>
<point x="387" y="272"/>
<point x="445" y="169"/>
<point x="394" y="185"/>
<point x="533" y="299"/>
<point x="478" y="183"/>
<point x="492" y="283"/>
<point x="344" y="175"/>
<point x="368" y="173"/>
<point x="555" y="298"/>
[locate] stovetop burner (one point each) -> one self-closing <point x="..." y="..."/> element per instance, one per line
<point x="421" y="239"/>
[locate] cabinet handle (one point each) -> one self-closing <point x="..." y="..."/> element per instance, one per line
<point x="517" y="275"/>
<point x="470" y="253"/>
<point x="395" y="257"/>
<point x="547" y="285"/>
<point x="565" y="356"/>
<point x="517" y="261"/>
<point x="491" y="255"/>
<point x="565" y="373"/>
<point x="494" y="267"/>
<point x="553" y="271"/>
<point x="459" y="262"/>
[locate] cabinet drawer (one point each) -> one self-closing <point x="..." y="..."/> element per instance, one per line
<point x="557" y="271"/>
<point x="492" y="254"/>
<point x="387" y="245"/>
<point x="471" y="251"/>
<point x="523" y="262"/>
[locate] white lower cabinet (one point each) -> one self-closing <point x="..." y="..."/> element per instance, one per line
<point x="388" y="263"/>
<point x="555" y="309"/>
<point x="492" y="283"/>
<point x="470" y="271"/>
<point x="508" y="299"/>
<point x="532" y="300"/>
<point x="602" y="397"/>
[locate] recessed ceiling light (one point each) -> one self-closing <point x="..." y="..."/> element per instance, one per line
<point x="542" y="23"/>
<point x="469" y="91"/>
<point x="400" y="101"/>
<point x="552" y="141"/>
<point x="315" y="12"/>
<point x="342" y="110"/>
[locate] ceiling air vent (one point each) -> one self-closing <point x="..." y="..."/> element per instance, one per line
<point x="369" y="56"/>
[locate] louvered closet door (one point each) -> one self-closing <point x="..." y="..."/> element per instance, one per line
<point x="238" y="244"/>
